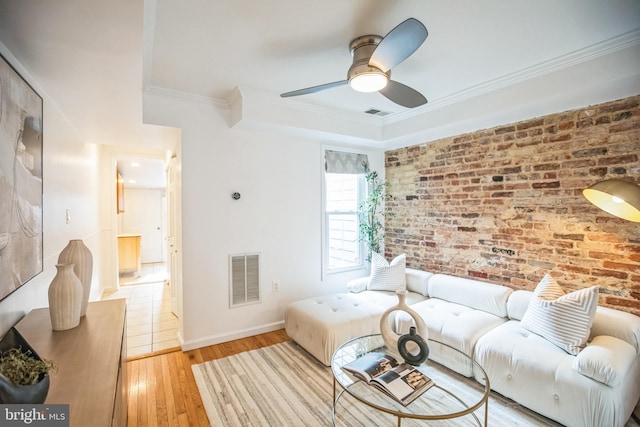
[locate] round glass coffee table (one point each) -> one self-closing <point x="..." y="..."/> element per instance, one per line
<point x="452" y="396"/>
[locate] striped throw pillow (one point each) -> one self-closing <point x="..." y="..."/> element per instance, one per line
<point x="388" y="276"/>
<point x="562" y="319"/>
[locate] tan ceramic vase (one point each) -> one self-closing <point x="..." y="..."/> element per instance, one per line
<point x="65" y="298"/>
<point x="78" y="254"/>
<point x="389" y="337"/>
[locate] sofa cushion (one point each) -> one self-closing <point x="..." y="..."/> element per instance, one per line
<point x="563" y="319"/>
<point x="483" y="296"/>
<point x="606" y="359"/>
<point x="387" y="276"/>
<point x="453" y="325"/>
<point x="358" y="285"/>
<point x="418" y="281"/>
<point x="619" y="324"/>
<point x="518" y="303"/>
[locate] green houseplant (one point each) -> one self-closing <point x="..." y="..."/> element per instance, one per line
<point x="21" y="368"/>
<point x="371" y="214"/>
<point x="24" y="376"/>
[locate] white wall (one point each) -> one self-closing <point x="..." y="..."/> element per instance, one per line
<point x="70" y="182"/>
<point x="279" y="215"/>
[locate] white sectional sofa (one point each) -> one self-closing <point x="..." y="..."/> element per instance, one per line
<point x="600" y="386"/>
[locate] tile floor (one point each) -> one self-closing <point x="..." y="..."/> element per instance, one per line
<point x="151" y="326"/>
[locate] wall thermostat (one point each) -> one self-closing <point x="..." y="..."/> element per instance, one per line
<point x="236" y="196"/>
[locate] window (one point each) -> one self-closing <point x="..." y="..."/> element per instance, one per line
<point x="343" y="196"/>
<point x="344" y="190"/>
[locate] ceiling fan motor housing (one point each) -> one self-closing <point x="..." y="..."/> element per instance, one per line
<point x="373" y="58"/>
<point x="361" y="50"/>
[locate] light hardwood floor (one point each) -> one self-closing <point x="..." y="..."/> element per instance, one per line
<point x="163" y="391"/>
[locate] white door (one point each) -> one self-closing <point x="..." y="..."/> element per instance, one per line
<point x="172" y="240"/>
<point x="143" y="215"/>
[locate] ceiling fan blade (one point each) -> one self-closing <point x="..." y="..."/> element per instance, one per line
<point x="399" y="44"/>
<point x="314" y="89"/>
<point x="403" y="95"/>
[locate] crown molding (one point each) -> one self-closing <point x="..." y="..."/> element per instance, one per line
<point x="184" y="96"/>
<point x="606" y="47"/>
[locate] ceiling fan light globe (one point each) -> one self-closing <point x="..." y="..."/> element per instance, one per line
<point x="369" y="82"/>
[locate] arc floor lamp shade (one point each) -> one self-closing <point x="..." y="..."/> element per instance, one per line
<point x="617" y="197"/>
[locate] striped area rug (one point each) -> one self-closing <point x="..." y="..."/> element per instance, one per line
<point x="281" y="385"/>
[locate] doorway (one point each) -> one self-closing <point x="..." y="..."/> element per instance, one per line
<point x="141" y="220"/>
<point x="143" y="276"/>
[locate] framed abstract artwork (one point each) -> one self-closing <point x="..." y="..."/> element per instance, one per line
<point x="21" y="250"/>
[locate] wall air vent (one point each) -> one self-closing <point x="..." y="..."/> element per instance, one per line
<point x="244" y="279"/>
<point x="376" y="112"/>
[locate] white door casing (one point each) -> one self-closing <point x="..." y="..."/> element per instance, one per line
<point x="172" y="240"/>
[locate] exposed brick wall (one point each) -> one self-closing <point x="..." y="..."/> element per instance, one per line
<point x="505" y="205"/>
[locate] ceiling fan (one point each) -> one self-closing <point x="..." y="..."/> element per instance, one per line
<point x="373" y="58"/>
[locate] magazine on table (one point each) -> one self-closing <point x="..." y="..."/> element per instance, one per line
<point x="400" y="381"/>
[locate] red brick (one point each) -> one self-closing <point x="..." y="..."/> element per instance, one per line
<point x="607" y="161"/>
<point x="551" y="184"/>
<point x="621" y="266"/>
<point x="609" y="273"/>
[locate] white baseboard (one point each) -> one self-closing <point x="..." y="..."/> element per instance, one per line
<point x="244" y="333"/>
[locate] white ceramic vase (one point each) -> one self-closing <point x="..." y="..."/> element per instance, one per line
<point x="65" y="298"/>
<point x="77" y="253"/>
<point x="389" y="337"/>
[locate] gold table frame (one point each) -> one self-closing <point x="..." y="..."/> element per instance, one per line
<point x="375" y="399"/>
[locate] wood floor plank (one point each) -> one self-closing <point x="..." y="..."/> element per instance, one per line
<point x="187" y="392"/>
<point x="162" y="388"/>
<point x="172" y="415"/>
<point x="141" y="416"/>
<point x="152" y="415"/>
<point x="160" y="398"/>
<point x="178" y="398"/>
<point x="132" y="404"/>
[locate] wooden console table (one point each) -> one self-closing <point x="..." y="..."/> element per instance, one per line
<point x="91" y="359"/>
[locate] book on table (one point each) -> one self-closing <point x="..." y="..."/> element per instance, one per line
<point x="401" y="381"/>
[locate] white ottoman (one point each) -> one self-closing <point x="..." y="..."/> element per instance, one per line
<point x="321" y="324"/>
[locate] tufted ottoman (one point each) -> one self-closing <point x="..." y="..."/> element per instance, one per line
<point x="322" y="324"/>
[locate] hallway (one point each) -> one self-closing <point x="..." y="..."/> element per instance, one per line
<point x="151" y="326"/>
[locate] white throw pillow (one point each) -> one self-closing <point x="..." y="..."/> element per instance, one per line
<point x="606" y="359"/>
<point x="563" y="319"/>
<point x="388" y="276"/>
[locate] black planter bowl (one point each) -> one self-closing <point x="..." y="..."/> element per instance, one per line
<point x="10" y="393"/>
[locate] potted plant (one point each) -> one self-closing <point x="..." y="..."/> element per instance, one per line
<point x="371" y="215"/>
<point x="24" y="376"/>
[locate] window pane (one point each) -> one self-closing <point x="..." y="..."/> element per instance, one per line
<point x="342" y="192"/>
<point x="343" y="248"/>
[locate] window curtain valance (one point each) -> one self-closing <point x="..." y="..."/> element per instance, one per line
<point x="343" y="162"/>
